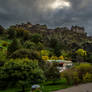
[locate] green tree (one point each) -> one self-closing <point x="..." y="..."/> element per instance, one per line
<point x="56" y="45"/>
<point x="3" y="58"/>
<point x="21" y="72"/>
<point x="81" y="54"/>
<point x="15" y="45"/>
<point x="11" y="32"/>
<point x="29" y="45"/>
<point x="36" y="38"/>
<point x="2" y="30"/>
<point x="45" y="52"/>
<point x="52" y="73"/>
<point x="40" y="46"/>
<point x="23" y="53"/>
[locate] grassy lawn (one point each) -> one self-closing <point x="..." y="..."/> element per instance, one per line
<point x="46" y="87"/>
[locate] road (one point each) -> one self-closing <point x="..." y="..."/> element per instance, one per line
<point x="80" y="88"/>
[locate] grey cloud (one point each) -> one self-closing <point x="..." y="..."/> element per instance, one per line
<point x="38" y="11"/>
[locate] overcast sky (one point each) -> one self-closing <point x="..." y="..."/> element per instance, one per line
<point x="53" y="13"/>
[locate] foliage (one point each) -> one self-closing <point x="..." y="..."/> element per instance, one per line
<point x="40" y="46"/>
<point x="26" y="35"/>
<point x="15" y="45"/>
<point x="5" y="44"/>
<point x="2" y="30"/>
<point x="78" y="74"/>
<point x="23" y="53"/>
<point x="56" y="45"/>
<point x="11" y="32"/>
<point x="61" y="58"/>
<point x="36" y="38"/>
<point x="68" y="76"/>
<point x="81" y="52"/>
<point x="54" y="58"/>
<point x="45" y="52"/>
<point x="87" y="77"/>
<point x="21" y="72"/>
<point x="2" y="57"/>
<point x="45" y="58"/>
<point x="52" y="73"/>
<point x="83" y="68"/>
<point x="29" y="45"/>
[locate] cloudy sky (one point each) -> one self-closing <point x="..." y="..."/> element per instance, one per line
<point x="50" y="12"/>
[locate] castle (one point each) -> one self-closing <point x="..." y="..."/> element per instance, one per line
<point x="78" y="29"/>
<point x="43" y="28"/>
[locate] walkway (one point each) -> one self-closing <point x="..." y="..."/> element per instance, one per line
<point x="80" y="88"/>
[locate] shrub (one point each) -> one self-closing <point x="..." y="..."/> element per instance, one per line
<point x="11" y="32"/>
<point x="2" y="57"/>
<point x="21" y="72"/>
<point x="29" y="45"/>
<point x="78" y="74"/>
<point x="75" y="77"/>
<point x="15" y="45"/>
<point x="2" y="30"/>
<point x="87" y="77"/>
<point x="36" y="38"/>
<point x="68" y="76"/>
<point x="52" y="73"/>
<point x="83" y="68"/>
<point x="23" y="53"/>
<point x="5" y="44"/>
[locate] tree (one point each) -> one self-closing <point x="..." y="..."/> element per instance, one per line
<point x="23" y="53"/>
<point x="15" y="45"/>
<point x="11" y="32"/>
<point x="29" y="45"/>
<point x="21" y="72"/>
<point x="26" y="35"/>
<point x="45" y="52"/>
<point x="40" y="46"/>
<point x="2" y="30"/>
<point x="54" y="58"/>
<point x="81" y="54"/>
<point x="36" y="38"/>
<point x="56" y="45"/>
<point x="45" y="58"/>
<point x="2" y="57"/>
<point x="52" y="73"/>
<point x="61" y="58"/>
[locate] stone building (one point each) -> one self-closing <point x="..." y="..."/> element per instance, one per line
<point x="78" y="29"/>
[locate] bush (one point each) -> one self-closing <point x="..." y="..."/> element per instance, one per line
<point x="68" y="76"/>
<point x="75" y="77"/>
<point x="87" y="77"/>
<point x="21" y="72"/>
<point x="78" y="74"/>
<point x="36" y="38"/>
<point x="2" y="57"/>
<point x="15" y="45"/>
<point x="23" y="53"/>
<point x="2" y="30"/>
<point x="29" y="45"/>
<point x="83" y="68"/>
<point x="11" y="32"/>
<point x="5" y="44"/>
<point x="52" y="73"/>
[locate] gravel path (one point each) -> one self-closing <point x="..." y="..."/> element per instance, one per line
<point x="80" y="88"/>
